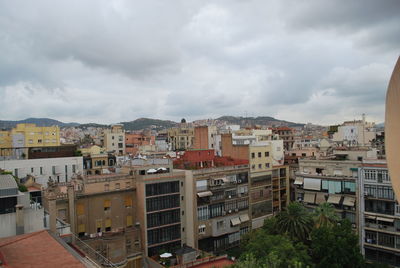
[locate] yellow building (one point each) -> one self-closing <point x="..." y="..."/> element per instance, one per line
<point x="5" y="143"/>
<point x="34" y="136"/>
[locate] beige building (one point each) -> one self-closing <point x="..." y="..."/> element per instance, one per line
<point x="355" y="133"/>
<point x="101" y="211"/>
<point x="114" y="139"/>
<point x="181" y="138"/>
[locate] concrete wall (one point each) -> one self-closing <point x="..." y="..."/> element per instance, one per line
<point x="33" y="220"/>
<point x="25" y="167"/>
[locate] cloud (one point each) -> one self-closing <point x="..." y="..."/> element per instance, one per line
<point x="112" y="61"/>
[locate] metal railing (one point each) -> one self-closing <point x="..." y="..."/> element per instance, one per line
<point x="93" y="254"/>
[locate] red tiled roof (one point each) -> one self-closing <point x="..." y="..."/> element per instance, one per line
<point x="38" y="249"/>
<point x="215" y="264"/>
<point x="33" y="189"/>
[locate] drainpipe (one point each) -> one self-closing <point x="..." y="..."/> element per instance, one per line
<point x="19" y="219"/>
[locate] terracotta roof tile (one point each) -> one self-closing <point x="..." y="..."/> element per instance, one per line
<point x="38" y="249"/>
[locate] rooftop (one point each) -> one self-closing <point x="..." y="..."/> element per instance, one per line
<point x="7" y="182"/>
<point x="38" y="249"/>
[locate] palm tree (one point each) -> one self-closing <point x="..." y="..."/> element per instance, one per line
<point x="295" y="221"/>
<point x="325" y="216"/>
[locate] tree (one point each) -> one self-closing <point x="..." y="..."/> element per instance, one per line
<point x="274" y="250"/>
<point x="325" y="216"/>
<point x="336" y="246"/>
<point x="295" y="221"/>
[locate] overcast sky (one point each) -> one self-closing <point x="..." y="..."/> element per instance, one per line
<point x="110" y="61"/>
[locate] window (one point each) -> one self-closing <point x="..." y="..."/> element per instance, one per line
<point x="202" y="229"/>
<point x="259" y="154"/>
<point x="73" y="168"/>
<point x="129" y="221"/>
<point x="253" y="155"/>
<point x="80" y="210"/>
<point x="30" y="141"/>
<point x="108" y="225"/>
<point x="266" y="165"/>
<point x="220" y="224"/>
<point x="259" y="166"/>
<point x="127" y="184"/>
<point x="39" y="141"/>
<point x="128" y="201"/>
<point x="163" y="218"/>
<point x="107" y="205"/>
<point x="99" y="224"/>
<point x="112" y="137"/>
<point x="117" y="186"/>
<point x="266" y="154"/>
<point x="81" y="230"/>
<point x="32" y="170"/>
<point x="203" y="213"/>
<point x="41" y="170"/>
<point x="106" y="187"/>
<point x="253" y="166"/>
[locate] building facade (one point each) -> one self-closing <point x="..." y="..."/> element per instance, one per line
<point x="114" y="139"/>
<point x="379" y="214"/>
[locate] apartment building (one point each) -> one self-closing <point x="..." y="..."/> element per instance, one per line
<point x="331" y="180"/>
<point x="101" y="211"/>
<point x="135" y="140"/>
<point x="355" y="133"/>
<point x="60" y="169"/>
<point x="114" y="139"/>
<point x="268" y="177"/>
<point x="222" y="206"/>
<point x="16" y="141"/>
<point x="379" y="214"/>
<point x="205" y="137"/>
<point x="97" y="161"/>
<point x="287" y="135"/>
<point x="181" y="138"/>
<point x="162" y="205"/>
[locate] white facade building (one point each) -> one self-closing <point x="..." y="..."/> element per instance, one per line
<point x="59" y="169"/>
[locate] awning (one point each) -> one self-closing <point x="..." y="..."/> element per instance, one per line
<point x="334" y="199"/>
<point x="312" y="184"/>
<point x="235" y="221"/>
<point x="204" y="194"/>
<point x="349" y="201"/>
<point x="384" y="219"/>
<point x="202" y="226"/>
<point x="309" y="198"/>
<point x="299" y="181"/>
<point x="225" y="179"/>
<point x="244" y="217"/>
<point x="320" y="198"/>
<point x="370" y="217"/>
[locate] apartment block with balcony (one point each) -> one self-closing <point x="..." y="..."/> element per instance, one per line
<point x="379" y="214"/>
<point x="162" y="208"/>
<point x="222" y="206"/>
<point x="329" y="180"/>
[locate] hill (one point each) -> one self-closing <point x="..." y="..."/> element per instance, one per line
<point x="42" y="122"/>
<point x="259" y="120"/>
<point x="148" y="123"/>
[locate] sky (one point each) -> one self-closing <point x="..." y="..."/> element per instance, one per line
<point x="109" y="61"/>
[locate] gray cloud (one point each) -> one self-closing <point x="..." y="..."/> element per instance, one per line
<point x="110" y="61"/>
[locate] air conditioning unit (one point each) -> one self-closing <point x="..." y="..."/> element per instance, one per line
<point x="229" y="196"/>
<point x="239" y="181"/>
<point x="230" y="211"/>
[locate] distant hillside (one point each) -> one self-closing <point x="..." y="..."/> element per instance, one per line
<point x="42" y="122"/>
<point x="260" y="120"/>
<point x="148" y="123"/>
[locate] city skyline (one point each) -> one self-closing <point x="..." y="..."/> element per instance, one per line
<point x="320" y="62"/>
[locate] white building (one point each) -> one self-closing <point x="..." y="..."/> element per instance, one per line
<point x="355" y="133"/>
<point x="59" y="169"/>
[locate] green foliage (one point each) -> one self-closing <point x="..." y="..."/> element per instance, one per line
<point x="295" y="221"/>
<point x="274" y="250"/>
<point x="22" y="188"/>
<point x="298" y="239"/>
<point x="336" y="246"/>
<point x="325" y="216"/>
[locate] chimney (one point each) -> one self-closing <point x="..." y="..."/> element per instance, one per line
<point x="71" y="207"/>
<point x="52" y="213"/>
<point x="19" y="219"/>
